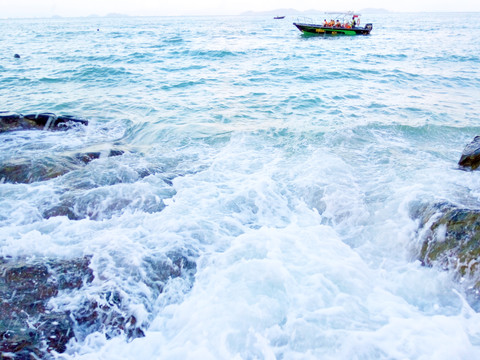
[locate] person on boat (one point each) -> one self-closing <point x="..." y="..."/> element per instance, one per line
<point x="331" y="23"/>
<point x="338" y="24"/>
<point x="347" y="25"/>
<point x="325" y="23"/>
<point x="353" y="21"/>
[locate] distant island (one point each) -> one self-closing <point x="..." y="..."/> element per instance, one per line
<point x="309" y="12"/>
<point x="272" y="13"/>
<point x="109" y="15"/>
<point x="374" y="10"/>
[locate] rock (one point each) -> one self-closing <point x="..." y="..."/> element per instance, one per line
<point x="65" y="208"/>
<point x="451" y="242"/>
<point x="92" y="155"/>
<point x="30" y="329"/>
<point x="44" y="121"/>
<point x="49" y="121"/>
<point x="471" y="155"/>
<point x="27" y="326"/>
<point x="109" y="316"/>
<point x="9" y="121"/>
<point x="26" y="171"/>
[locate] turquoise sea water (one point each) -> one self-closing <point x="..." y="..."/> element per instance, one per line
<point x="284" y="166"/>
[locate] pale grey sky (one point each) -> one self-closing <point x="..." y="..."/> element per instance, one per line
<point x="72" y="8"/>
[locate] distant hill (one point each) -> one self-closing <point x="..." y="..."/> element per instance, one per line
<point x="282" y="12"/>
<point x="273" y="12"/>
<point x="116" y="15"/>
<point x="374" y="10"/>
<point x="108" y="15"/>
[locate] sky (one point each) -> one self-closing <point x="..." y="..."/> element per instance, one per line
<point x="74" y="8"/>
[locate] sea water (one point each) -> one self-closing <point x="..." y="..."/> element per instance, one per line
<point x="283" y="166"/>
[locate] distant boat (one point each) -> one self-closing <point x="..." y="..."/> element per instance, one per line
<point x="279" y="17"/>
<point x="350" y="27"/>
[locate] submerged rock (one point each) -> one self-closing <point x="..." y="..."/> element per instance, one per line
<point x="451" y="241"/>
<point x="470" y="157"/>
<point x="45" y="121"/>
<point x="26" y="171"/>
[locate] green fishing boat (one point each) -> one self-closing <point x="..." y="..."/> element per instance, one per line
<point x="346" y="23"/>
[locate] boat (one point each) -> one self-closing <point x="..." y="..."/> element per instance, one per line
<point x="279" y="17"/>
<point x="346" y="23"/>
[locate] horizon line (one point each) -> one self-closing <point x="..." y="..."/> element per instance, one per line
<point x="245" y="13"/>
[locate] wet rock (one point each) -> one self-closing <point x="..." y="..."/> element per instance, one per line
<point x="26" y="171"/>
<point x="89" y="156"/>
<point x="18" y="342"/>
<point x="451" y="241"/>
<point x="109" y="315"/>
<point x="65" y="208"/>
<point x="100" y="206"/>
<point x="45" y="121"/>
<point x="29" y="329"/>
<point x="70" y="274"/>
<point x="470" y="157"/>
<point x="162" y="268"/>
<point x="27" y="326"/>
<point x="57" y="329"/>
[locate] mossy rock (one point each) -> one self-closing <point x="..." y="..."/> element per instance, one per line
<point x="452" y="241"/>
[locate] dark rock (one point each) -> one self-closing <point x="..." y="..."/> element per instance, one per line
<point x="27" y="326"/>
<point x="42" y="119"/>
<point x="57" y="329"/>
<point x="89" y="156"/>
<point x="64" y="209"/>
<point x="45" y="121"/>
<point x="451" y="241"/>
<point x="9" y="121"/>
<point x="70" y="274"/>
<point x="9" y="117"/>
<point x="108" y="316"/>
<point x="471" y="155"/>
<point x="49" y="121"/>
<point x="26" y="171"/>
<point x="29" y="329"/>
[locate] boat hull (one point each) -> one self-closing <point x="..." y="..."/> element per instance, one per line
<point x="324" y="30"/>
